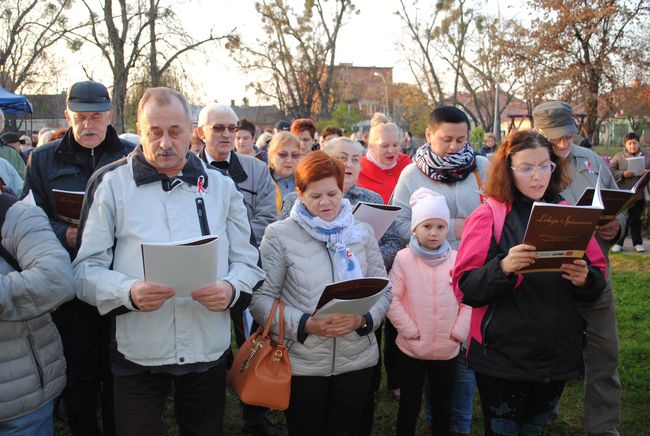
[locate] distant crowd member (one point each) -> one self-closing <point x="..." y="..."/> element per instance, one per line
<point x="490" y="145"/>
<point x="263" y="141"/>
<point x="9" y="153"/>
<point x="408" y="145"/>
<point x="305" y="130"/>
<point x="619" y="167"/>
<point x="332" y="358"/>
<point x="245" y="138"/>
<point x="428" y="344"/>
<point x="447" y="165"/>
<point x="10" y="179"/>
<point x="13" y="140"/>
<point x="67" y="164"/>
<point x="196" y="143"/>
<point x="522" y="362"/>
<point x="151" y="197"/>
<point x="282" y="126"/>
<point x="555" y="121"/>
<point x="218" y="129"/>
<point x="329" y="133"/>
<point x="36" y="277"/>
<point x="58" y="133"/>
<point x="284" y="154"/>
<point x="44" y="135"/>
<point x="26" y="145"/>
<point x="383" y="163"/>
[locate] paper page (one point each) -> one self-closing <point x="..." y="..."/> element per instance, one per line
<point x="186" y="265"/>
<point x="379" y="216"/>
<point x="636" y="164"/>
<point x="359" y="306"/>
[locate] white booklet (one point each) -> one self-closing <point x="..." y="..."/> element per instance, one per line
<point x="354" y="297"/>
<point x="186" y="265"/>
<point x="379" y="216"/>
<point x="636" y="164"/>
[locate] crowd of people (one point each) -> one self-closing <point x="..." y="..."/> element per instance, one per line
<point x="82" y="331"/>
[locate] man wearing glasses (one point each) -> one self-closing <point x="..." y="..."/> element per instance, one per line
<point x="67" y="164"/>
<point x="555" y="121"/>
<point x="217" y="126"/>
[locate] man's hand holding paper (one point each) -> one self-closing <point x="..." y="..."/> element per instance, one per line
<point x="216" y="297"/>
<point x="610" y="230"/>
<point x="150" y="296"/>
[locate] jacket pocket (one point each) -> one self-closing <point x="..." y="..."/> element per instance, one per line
<point x="487" y="320"/>
<point x="37" y="364"/>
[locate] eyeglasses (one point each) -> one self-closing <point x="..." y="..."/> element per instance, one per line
<point x="528" y="171"/>
<point x="220" y="128"/>
<point x="284" y="155"/>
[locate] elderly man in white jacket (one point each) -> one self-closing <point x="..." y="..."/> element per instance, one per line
<point x="163" y="193"/>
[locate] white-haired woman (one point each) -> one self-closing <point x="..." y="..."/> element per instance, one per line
<point x="384" y="162"/>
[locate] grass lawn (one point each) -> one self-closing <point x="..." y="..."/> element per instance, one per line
<point x="631" y="277"/>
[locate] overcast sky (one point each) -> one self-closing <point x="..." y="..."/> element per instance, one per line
<point x="368" y="39"/>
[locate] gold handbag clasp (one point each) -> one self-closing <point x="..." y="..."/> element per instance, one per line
<point x="254" y="350"/>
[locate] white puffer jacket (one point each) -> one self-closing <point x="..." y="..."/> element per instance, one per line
<point x="298" y="268"/>
<point x="32" y="367"/>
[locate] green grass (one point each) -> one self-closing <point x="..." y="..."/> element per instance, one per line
<point x="631" y="277"/>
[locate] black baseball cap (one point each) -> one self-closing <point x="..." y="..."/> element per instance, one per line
<point x="283" y="125"/>
<point x="10" y="137"/>
<point x="88" y="96"/>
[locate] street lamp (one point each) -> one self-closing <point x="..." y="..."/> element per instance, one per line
<point x="385" y="89"/>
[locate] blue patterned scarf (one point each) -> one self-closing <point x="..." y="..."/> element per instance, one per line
<point x="338" y="234"/>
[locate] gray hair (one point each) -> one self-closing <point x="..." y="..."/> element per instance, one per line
<point x="216" y="108"/>
<point x="333" y="144"/>
<point x="162" y="96"/>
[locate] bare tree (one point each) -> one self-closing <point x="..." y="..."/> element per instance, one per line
<point x="581" y="46"/>
<point x="296" y="58"/>
<point x="132" y="34"/>
<point x="29" y="29"/>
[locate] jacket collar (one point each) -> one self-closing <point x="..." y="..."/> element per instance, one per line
<point x="144" y="173"/>
<point x="235" y="170"/>
<point x="68" y="148"/>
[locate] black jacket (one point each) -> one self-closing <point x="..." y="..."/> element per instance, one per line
<point x="66" y="165"/>
<point x="532" y="331"/>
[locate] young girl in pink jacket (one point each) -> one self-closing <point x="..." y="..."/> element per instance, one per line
<point x="430" y="322"/>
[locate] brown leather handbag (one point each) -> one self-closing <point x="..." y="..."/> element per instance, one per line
<point x="261" y="371"/>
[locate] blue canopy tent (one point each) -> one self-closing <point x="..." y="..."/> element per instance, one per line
<point x="12" y="104"/>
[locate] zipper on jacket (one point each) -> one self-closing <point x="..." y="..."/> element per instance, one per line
<point x="488" y="319"/>
<point x="92" y="155"/>
<point x="329" y="256"/>
<point x="38" y="366"/>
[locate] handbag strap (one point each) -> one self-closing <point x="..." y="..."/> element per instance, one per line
<point x="277" y="303"/>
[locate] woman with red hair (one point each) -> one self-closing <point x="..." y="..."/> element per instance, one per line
<point x="332" y="358"/>
<point x="305" y="129"/>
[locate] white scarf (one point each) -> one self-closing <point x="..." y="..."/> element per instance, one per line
<point x="338" y="234"/>
<point x="371" y="157"/>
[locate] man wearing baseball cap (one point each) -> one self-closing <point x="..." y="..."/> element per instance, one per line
<point x="67" y="164"/>
<point x="7" y="152"/>
<point x="555" y="121"/>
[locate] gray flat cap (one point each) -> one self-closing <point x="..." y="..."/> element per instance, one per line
<point x="554" y="119"/>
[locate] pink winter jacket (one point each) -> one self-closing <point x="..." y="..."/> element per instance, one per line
<point x="430" y="322"/>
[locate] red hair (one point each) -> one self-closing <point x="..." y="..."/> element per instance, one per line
<point x="316" y="166"/>
<point x="302" y="124"/>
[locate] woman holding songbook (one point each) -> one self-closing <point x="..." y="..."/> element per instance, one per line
<point x="332" y="357"/>
<point x="619" y="165"/>
<point x="526" y="333"/>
